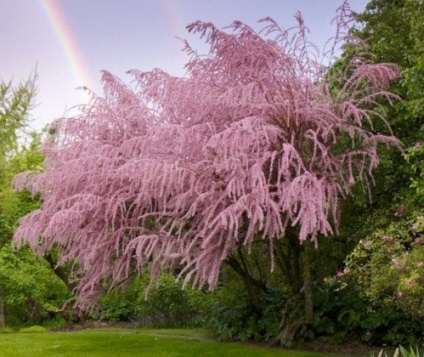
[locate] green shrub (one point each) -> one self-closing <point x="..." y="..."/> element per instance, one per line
<point x="233" y="317"/>
<point x="166" y="303"/>
<point x="6" y="330"/>
<point x="169" y="305"/>
<point x="34" y="293"/>
<point x="57" y="323"/>
<point x="229" y="313"/>
<point x="33" y="329"/>
<point x="386" y="272"/>
<point x="119" y="306"/>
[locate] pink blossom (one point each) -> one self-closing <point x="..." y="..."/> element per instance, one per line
<point x="400" y="210"/>
<point x="399" y="294"/>
<point x="339" y="274"/>
<point x="367" y="244"/>
<point x="411" y="282"/>
<point x="417" y="145"/>
<point x="387" y="238"/>
<point x="397" y="264"/>
<point x="180" y="172"/>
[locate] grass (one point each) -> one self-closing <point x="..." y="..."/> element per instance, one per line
<point x="128" y="343"/>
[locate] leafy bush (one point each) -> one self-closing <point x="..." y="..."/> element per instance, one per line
<point x="57" y="323"/>
<point x="121" y="304"/>
<point x="233" y="317"/>
<point x="229" y="313"/>
<point x="33" y="329"/>
<point x="34" y="293"/>
<point x="166" y="303"/>
<point x="386" y="271"/>
<point x="6" y="330"/>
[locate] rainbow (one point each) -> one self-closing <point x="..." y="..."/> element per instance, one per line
<point x="174" y="16"/>
<point x="175" y="20"/>
<point x="68" y="44"/>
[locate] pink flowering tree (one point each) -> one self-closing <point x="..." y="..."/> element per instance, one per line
<point x="252" y="144"/>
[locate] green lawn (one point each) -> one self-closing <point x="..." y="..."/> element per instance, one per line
<point x="127" y="343"/>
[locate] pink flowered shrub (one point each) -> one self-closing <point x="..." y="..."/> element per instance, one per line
<point x="179" y="172"/>
<point x="386" y="272"/>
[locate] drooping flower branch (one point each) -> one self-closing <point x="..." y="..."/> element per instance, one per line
<point x="179" y="172"/>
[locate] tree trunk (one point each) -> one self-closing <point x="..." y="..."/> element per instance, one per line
<point x="298" y="313"/>
<point x="2" y="308"/>
<point x="253" y="286"/>
<point x="307" y="284"/>
<point x="294" y="250"/>
<point x="61" y="272"/>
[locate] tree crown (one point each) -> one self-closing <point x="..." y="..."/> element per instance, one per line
<point x="179" y="172"/>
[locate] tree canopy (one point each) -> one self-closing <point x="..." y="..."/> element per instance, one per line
<point x="15" y="103"/>
<point x="179" y="172"/>
<point x="28" y="287"/>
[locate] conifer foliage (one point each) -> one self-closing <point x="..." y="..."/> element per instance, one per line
<point x="178" y="172"/>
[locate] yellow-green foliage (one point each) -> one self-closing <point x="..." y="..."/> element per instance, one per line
<point x="33" y="329"/>
<point x="6" y="330"/>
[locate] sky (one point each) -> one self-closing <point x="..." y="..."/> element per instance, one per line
<point x="69" y="42"/>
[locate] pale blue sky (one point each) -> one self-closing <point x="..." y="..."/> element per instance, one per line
<point x="118" y="35"/>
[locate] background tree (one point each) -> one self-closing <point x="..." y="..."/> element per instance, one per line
<point x="383" y="270"/>
<point x="29" y="290"/>
<point x="252" y="145"/>
<point x="392" y="30"/>
<point x="14" y="106"/>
